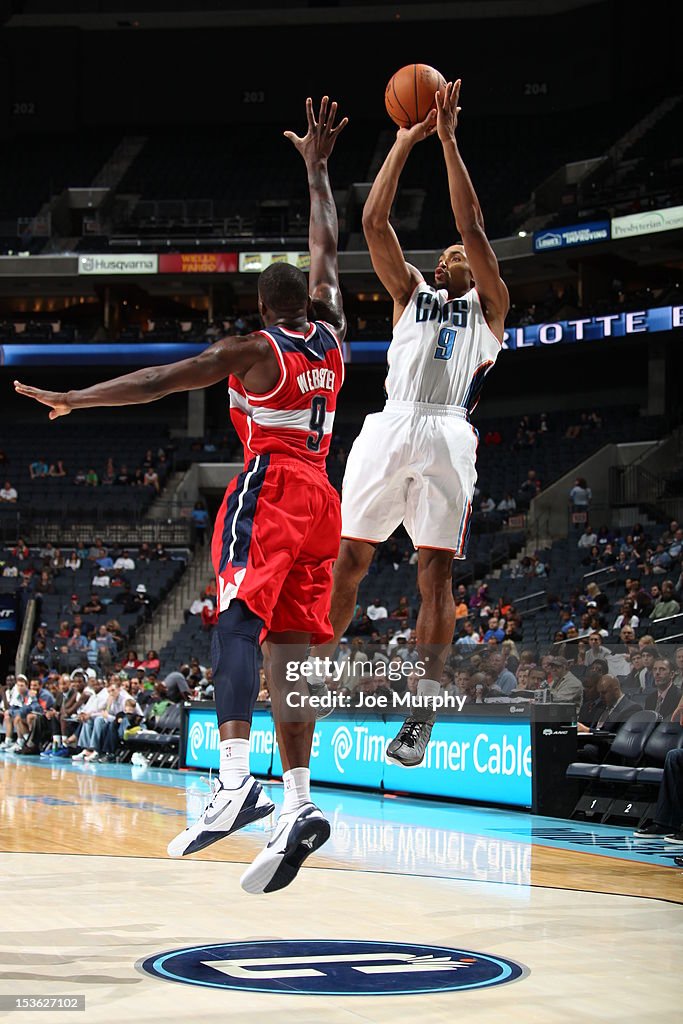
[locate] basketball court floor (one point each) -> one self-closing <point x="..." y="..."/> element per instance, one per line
<point x="413" y="908"/>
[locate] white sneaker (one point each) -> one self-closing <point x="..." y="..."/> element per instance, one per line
<point x="79" y="757"/>
<point x="227" y="811"/>
<point x="297" y="836"/>
<point x="139" y="760"/>
<point x="7" y="745"/>
<point x="92" y="757"/>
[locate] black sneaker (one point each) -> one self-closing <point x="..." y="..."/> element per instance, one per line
<point x="677" y="837"/>
<point x="651" y="830"/>
<point x="409" y="746"/>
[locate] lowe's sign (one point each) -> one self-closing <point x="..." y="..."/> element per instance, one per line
<point x="491" y="758"/>
<point x="576" y="234"/>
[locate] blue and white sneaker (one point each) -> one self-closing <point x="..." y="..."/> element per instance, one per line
<point x="227" y="811"/>
<point x="297" y="836"/>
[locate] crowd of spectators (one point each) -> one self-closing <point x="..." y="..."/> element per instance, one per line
<point x="151" y="473"/>
<point x="86" y="714"/>
<point x="88" y="633"/>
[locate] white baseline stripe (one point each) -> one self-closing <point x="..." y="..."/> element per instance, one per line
<point x="244" y="490"/>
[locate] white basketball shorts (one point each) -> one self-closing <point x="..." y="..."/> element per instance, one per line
<point x="412" y="463"/>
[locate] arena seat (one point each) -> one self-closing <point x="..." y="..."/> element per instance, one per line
<point x="627" y="749"/>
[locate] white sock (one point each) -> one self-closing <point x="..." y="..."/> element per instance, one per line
<point x="234" y="762"/>
<point x="428" y="688"/>
<point x="297" y="782"/>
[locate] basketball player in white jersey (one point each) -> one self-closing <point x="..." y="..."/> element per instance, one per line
<point x="414" y="462"/>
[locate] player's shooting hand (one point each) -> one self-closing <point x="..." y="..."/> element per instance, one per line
<point x="421" y="130"/>
<point x="319" y="140"/>
<point x="55" y="399"/>
<point x="447" y="110"/>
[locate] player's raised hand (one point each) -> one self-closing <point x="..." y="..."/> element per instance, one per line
<point x="421" y="130"/>
<point x="319" y="140"/>
<point x="55" y="399"/>
<point x="447" y="110"/>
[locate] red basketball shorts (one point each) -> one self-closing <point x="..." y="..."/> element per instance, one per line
<point x="275" y="540"/>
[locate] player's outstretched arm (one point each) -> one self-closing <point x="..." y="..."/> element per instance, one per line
<point x="469" y="219"/>
<point x="398" y="277"/>
<point x="323" y="228"/>
<point x="229" y="355"/>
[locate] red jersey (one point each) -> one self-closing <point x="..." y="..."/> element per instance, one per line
<point x="295" y="417"/>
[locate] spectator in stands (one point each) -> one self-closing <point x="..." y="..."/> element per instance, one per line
<point x="40" y="699"/>
<point x="595" y="648"/>
<point x="592" y="705"/>
<point x="150" y="663"/>
<point x="618" y="708"/>
<point x="495" y="631"/>
<point x="200" y="521"/>
<point x="125" y="562"/>
<point x="642" y="602"/>
<point x="595" y="595"/>
<point x="177" y="688"/>
<point x="101" y="578"/>
<point x="8" y="494"/>
<point x="487" y="504"/>
<point x="627" y="636"/>
<point x="160" y="553"/>
<point x="529" y="488"/>
<point x="151" y="479"/>
<point x="92" y="738"/>
<point x="93" y="605"/>
<point x="403" y="609"/>
<point x="77" y="642"/>
<point x="38" y="469"/>
<point x="91" y="478"/>
<point x="646" y="676"/>
<point x="588" y="539"/>
<point x="507" y="505"/>
<point x="667" y="604"/>
<point x="564" y="686"/>
<point x="131" y="661"/>
<point x="109" y="474"/>
<point x="503" y="679"/>
<point x="15" y="700"/>
<point x="664" y="700"/>
<point x="580" y="495"/>
<point x="72" y="561"/>
<point x="376" y="610"/>
<point x="677" y="677"/>
<point x="626" y="616"/>
<point x="469" y="636"/>
<point x="57" y="469"/>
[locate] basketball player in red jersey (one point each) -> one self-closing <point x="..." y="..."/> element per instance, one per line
<point x="414" y="462"/>
<point x="277" y="533"/>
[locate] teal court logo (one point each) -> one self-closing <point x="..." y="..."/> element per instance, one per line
<point x="332" y="967"/>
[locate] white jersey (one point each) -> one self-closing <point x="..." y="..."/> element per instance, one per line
<point x="441" y="350"/>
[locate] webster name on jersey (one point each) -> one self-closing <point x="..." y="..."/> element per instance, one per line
<point x="316" y="380"/>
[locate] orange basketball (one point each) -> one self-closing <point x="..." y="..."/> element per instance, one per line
<point x="409" y="95"/>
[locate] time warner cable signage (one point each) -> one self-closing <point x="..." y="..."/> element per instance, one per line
<point x="576" y="234"/>
<point x="490" y="758"/>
